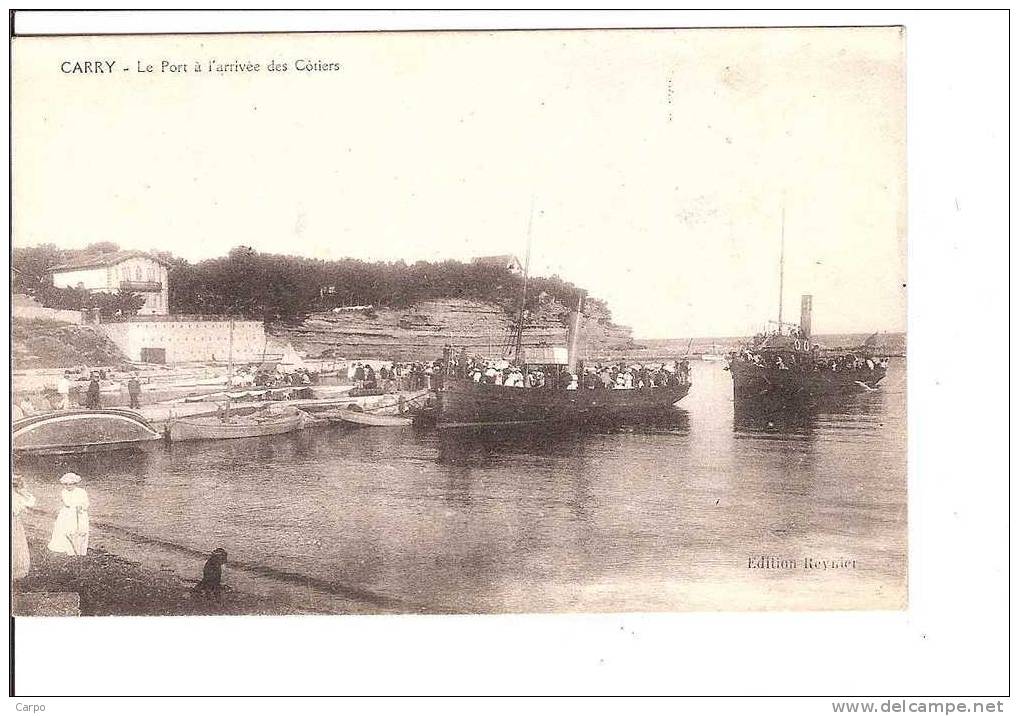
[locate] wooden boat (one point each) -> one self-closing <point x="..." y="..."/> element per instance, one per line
<point x="257" y="424"/>
<point x="80" y="431"/>
<point x="361" y="418"/>
<point x="464" y="403"/>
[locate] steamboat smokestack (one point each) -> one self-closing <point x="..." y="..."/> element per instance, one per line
<point x="573" y="335"/>
<point x="805" y="305"/>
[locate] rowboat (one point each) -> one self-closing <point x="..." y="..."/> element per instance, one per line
<point x="80" y="431"/>
<point x="356" y="417"/>
<point x="257" y="424"/>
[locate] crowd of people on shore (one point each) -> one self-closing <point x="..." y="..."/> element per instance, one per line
<point x="301" y="377"/>
<point x="618" y="376"/>
<point x="393" y="376"/>
<point x="67" y="386"/>
<point x="810" y="362"/>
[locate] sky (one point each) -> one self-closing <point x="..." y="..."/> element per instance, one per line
<point x="659" y="169"/>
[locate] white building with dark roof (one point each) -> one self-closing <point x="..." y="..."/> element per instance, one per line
<point x="127" y="271"/>
<point x="506" y="261"/>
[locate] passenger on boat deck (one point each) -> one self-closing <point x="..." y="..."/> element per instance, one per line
<point x="599" y="376"/>
<point x="848" y="362"/>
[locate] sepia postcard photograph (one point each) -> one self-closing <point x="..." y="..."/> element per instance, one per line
<point x="510" y="321"/>
<point x="556" y="321"/>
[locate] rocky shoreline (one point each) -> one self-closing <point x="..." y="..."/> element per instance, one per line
<point x="109" y="585"/>
<point x="126" y="574"/>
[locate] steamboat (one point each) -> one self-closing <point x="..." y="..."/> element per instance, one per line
<point x="784" y="368"/>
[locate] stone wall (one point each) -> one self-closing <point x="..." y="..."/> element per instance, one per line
<point x="188" y="339"/>
<point x="420" y="331"/>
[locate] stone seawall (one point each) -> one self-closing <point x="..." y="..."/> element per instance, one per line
<point x="420" y="331"/>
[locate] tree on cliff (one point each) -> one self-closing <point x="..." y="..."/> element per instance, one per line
<point x="275" y="287"/>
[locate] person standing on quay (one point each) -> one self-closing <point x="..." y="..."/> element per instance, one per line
<point x="134" y="389"/>
<point x="70" y="531"/>
<point x="21" y="500"/>
<point x="92" y="394"/>
<point x="64" y="391"/>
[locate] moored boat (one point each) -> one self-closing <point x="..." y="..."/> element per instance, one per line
<point x="258" y="424"/>
<point x="398" y="403"/>
<point x="80" y="431"/>
<point x="361" y="418"/>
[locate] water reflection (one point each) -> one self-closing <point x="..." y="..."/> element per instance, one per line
<point x="482" y="446"/>
<point x="130" y="463"/>
<point x="787" y="421"/>
<point x="804" y="418"/>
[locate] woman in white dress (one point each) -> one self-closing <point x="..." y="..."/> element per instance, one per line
<point x="21" y="500"/>
<point x="70" y="531"/>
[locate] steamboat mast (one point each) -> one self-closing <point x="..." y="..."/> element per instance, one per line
<point x="781" y="270"/>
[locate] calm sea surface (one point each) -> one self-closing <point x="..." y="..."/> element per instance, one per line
<point x="668" y="516"/>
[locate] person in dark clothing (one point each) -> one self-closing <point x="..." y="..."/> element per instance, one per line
<point x="92" y="394"/>
<point x="134" y="390"/>
<point x="212" y="574"/>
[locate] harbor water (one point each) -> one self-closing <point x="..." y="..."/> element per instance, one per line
<point x="708" y="509"/>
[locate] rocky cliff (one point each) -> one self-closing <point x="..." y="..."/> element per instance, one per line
<point x="420" y="331"/>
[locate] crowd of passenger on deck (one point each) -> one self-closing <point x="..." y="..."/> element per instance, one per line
<point x="617" y="376"/>
<point x="810" y="362"/>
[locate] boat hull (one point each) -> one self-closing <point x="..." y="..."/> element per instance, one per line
<point x="752" y="382"/>
<point x="464" y="403"/>
<point x="363" y="419"/>
<point x="398" y="403"/>
<point x="80" y="431"/>
<point x="212" y="428"/>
